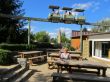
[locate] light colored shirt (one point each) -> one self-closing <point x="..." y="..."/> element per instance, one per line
<point x="65" y="56"/>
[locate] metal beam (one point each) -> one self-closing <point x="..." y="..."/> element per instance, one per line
<point x="33" y="18"/>
<point x="22" y="17"/>
<point x="44" y="19"/>
<point x="96" y="24"/>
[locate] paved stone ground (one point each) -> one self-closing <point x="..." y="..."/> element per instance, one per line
<point x="43" y="74"/>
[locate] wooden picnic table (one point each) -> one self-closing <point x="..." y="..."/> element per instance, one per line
<point x="68" y="64"/>
<point x="73" y="56"/>
<point x="49" y="51"/>
<point x="30" y="55"/>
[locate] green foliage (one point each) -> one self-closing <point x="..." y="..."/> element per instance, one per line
<point x="85" y="29"/>
<point x="54" y="40"/>
<point x="67" y="45"/>
<point x="43" y="45"/>
<point x="56" y="46"/>
<point x="42" y="36"/>
<point x="103" y="26"/>
<point x="10" y="29"/>
<point x="70" y="48"/>
<point x="5" y="57"/>
<point x="24" y="47"/>
<point x="17" y="47"/>
<point x="64" y="39"/>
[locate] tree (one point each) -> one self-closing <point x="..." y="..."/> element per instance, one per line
<point x="85" y="29"/>
<point x="54" y="40"/>
<point x="103" y="26"/>
<point x="65" y="41"/>
<point x="10" y="28"/>
<point x="42" y="36"/>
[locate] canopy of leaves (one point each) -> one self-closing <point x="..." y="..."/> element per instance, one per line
<point x="85" y="29"/>
<point x="53" y="40"/>
<point x="64" y="39"/>
<point x="103" y="26"/>
<point x="42" y="36"/>
<point x="10" y="31"/>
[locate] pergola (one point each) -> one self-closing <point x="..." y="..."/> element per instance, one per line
<point x="46" y="20"/>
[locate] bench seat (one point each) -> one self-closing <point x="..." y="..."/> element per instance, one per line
<point x="39" y="58"/>
<point x="78" y="76"/>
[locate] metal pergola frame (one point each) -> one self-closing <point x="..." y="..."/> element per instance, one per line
<point x="45" y="20"/>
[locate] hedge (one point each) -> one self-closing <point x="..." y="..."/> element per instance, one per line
<point x="6" y="57"/>
<point x="24" y="47"/>
<point x="17" y="47"/>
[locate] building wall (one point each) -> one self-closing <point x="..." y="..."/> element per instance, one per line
<point x="100" y="37"/>
<point x="85" y="49"/>
<point x="75" y="43"/>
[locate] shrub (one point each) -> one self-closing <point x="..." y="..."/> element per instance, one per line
<point x="43" y="45"/>
<point x="70" y="48"/>
<point x="5" y="57"/>
<point x="17" y="47"/>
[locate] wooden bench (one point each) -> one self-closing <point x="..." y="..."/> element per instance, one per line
<point x="77" y="76"/>
<point x="50" y="63"/>
<point x="38" y="58"/>
<point x="97" y="67"/>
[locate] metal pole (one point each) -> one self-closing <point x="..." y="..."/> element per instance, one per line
<point x="81" y="41"/>
<point x="29" y="29"/>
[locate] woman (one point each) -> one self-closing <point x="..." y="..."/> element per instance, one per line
<point x="65" y="54"/>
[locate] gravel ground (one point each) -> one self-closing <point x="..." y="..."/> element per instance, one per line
<point x="43" y="74"/>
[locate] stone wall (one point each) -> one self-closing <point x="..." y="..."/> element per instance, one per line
<point x="85" y="49"/>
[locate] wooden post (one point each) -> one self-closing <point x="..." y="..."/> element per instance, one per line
<point x="109" y="53"/>
<point x="29" y="29"/>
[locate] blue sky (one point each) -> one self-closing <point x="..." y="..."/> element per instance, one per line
<point x="95" y="10"/>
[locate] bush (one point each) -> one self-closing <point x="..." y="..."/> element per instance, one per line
<point x="43" y="45"/>
<point x="17" y="47"/>
<point x="57" y="45"/>
<point x="5" y="57"/>
<point x="70" y="48"/>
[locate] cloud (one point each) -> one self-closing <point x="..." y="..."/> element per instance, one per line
<point x="82" y="6"/>
<point x="33" y="28"/>
<point x="66" y="30"/>
<point x="89" y="29"/>
<point x="93" y="5"/>
<point x="96" y="6"/>
<point x="52" y="34"/>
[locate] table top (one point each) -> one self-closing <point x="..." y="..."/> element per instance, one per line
<point x="30" y="52"/>
<point x="85" y="63"/>
<point x="57" y="55"/>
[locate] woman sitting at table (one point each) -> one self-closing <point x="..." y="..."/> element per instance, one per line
<point x="64" y="54"/>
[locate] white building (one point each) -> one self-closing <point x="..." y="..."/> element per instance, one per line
<point x="99" y="45"/>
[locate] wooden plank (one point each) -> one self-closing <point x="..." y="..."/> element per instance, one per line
<point x="81" y="77"/>
<point x="30" y="52"/>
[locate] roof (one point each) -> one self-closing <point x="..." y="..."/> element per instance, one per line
<point x="101" y="33"/>
<point x="76" y="33"/>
